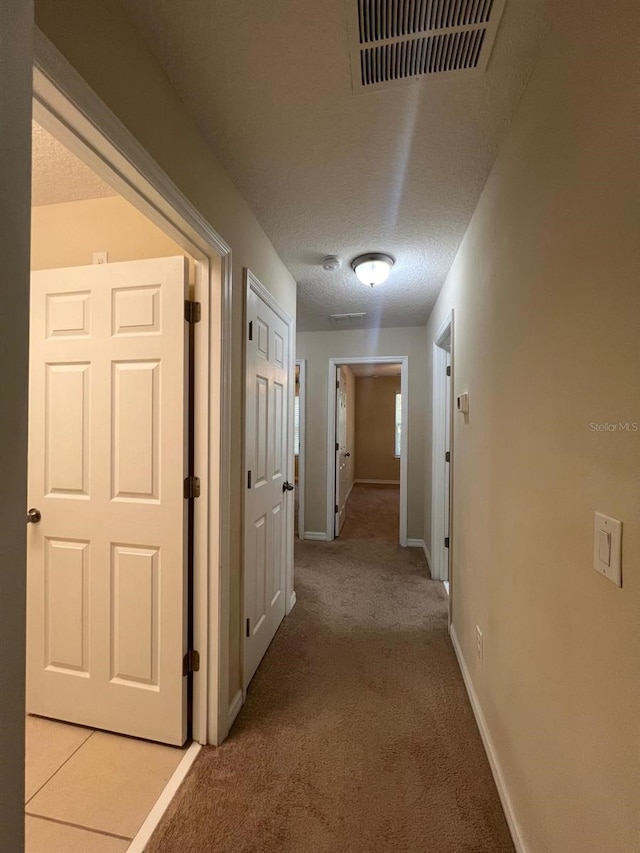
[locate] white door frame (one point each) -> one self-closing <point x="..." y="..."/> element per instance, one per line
<point x="254" y="285"/>
<point x="302" y="407"/>
<point x="334" y="363"/>
<point x="66" y="106"/>
<point x="439" y="443"/>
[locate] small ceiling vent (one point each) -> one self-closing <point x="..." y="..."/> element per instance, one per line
<point x="397" y="41"/>
<point x="347" y="319"/>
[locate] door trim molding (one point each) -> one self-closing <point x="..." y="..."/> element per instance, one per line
<point x="302" y="407"/>
<point x="438" y="447"/>
<point x="334" y="363"/>
<point x="66" y="105"/>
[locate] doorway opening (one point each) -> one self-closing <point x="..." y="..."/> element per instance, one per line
<point x="367" y="445"/>
<point x="102" y="210"/>
<point x="442" y="458"/>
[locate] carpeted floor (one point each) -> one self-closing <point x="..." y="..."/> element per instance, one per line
<point x="357" y="735"/>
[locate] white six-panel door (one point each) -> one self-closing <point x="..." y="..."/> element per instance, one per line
<point x="107" y="450"/>
<point x="266" y="458"/>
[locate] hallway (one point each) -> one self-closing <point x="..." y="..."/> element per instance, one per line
<point x="357" y="735"/>
<point x="373" y="512"/>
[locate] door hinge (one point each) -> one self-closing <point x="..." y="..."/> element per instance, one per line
<point x="191" y="662"/>
<point x="337" y="384"/>
<point x="449" y="370"/>
<point x="446" y="541"/>
<point x="192" y="488"/>
<point x="192" y="311"/>
<point x="250" y="330"/>
<point x="336" y="509"/>
<point x="248" y="627"/>
<point x="248" y="479"/>
<point x="447" y="456"/>
<point x="337" y="447"/>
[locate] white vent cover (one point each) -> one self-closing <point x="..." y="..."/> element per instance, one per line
<point x="347" y="319"/>
<point x="396" y="41"/>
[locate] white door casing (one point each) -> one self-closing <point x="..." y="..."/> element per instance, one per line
<point x="300" y="485"/>
<point x="447" y="461"/>
<point x="107" y="460"/>
<point x="267" y="463"/>
<point x="341" y="450"/>
<point x="442" y="444"/>
<point x="335" y="362"/>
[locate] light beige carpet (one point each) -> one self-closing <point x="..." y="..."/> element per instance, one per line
<point x="357" y="735"/>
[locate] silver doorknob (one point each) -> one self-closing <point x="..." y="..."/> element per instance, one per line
<point x="33" y="516"/>
<point x="287" y="487"/>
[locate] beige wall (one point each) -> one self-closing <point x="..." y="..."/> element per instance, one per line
<point x="376" y="428"/>
<point x="139" y="93"/>
<point x="16" y="17"/>
<point x="67" y="235"/>
<point x="318" y="348"/>
<point x="547" y="341"/>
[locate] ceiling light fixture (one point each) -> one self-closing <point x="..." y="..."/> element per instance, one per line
<point x="372" y="268"/>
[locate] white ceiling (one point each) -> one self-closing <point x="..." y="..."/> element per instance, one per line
<point x="328" y="171"/>
<point x="58" y="176"/>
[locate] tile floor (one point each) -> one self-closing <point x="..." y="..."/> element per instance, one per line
<point x="89" y="791"/>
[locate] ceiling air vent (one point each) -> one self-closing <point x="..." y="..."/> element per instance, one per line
<point x="347" y="319"/>
<point x="396" y="41"/>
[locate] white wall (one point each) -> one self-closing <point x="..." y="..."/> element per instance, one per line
<point x="136" y="89"/>
<point x="547" y="341"/>
<point x="16" y="17"/>
<point x="318" y="348"/>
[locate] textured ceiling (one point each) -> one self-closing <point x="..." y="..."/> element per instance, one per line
<point x="328" y="171"/>
<point x="58" y="175"/>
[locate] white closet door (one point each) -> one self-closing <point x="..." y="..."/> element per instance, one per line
<point x="267" y="428"/>
<point x="107" y="461"/>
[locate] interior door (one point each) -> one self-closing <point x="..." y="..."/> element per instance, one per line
<point x="267" y="462"/>
<point x="341" y="450"/>
<point x="447" y="464"/>
<point x="106" y="626"/>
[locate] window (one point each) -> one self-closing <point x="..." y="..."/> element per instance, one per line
<point x="296" y="425"/>
<point x="398" y="435"/>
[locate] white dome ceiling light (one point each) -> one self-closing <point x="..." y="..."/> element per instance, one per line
<point x="372" y="268"/>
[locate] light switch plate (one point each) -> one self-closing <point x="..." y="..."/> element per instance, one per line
<point x="463" y="403"/>
<point x="607" y="543"/>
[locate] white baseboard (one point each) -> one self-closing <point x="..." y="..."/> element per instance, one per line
<point x="505" y="799"/>
<point x="292" y="602"/>
<point x="420" y="543"/>
<point x="379" y="482"/>
<point x="162" y="803"/>
<point x="234" y="709"/>
<point x="315" y="535"/>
